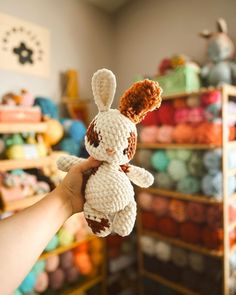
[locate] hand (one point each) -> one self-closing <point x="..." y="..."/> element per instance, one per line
<point x="70" y="189"/>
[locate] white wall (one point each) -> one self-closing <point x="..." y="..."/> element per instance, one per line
<point x="149" y="30"/>
<point x="81" y="38"/>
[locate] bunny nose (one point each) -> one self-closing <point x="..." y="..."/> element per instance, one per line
<point x="110" y="152"/>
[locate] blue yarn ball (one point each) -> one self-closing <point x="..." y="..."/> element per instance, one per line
<point x="189" y="185"/>
<point x="39" y="267"/>
<point x="52" y="244"/>
<point x="48" y="107"/>
<point x="69" y="145"/>
<point x="17" y="292"/>
<point x="28" y="284"/>
<point x="212" y="160"/>
<point x="77" y="131"/>
<point x="160" y="161"/>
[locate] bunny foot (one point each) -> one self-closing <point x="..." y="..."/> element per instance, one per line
<point x="124" y="220"/>
<point x="99" y="223"/>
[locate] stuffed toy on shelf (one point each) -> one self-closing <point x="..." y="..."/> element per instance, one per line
<point x="220" y="69"/>
<point x="111" y="138"/>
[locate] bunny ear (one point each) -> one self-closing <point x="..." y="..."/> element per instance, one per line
<point x="206" y="34"/>
<point x="104" y="87"/>
<point x="222" y="26"/>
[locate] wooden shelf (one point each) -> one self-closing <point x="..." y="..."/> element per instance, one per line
<point x="6" y="165"/>
<point x="143" y="145"/>
<point x="180" y="243"/>
<point x="22" y="203"/>
<point x="6" y="128"/>
<point x="181" y="196"/>
<point x="177" y="287"/>
<point x="63" y="249"/>
<point x="84" y="286"/>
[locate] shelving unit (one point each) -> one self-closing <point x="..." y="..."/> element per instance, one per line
<point x="228" y="92"/>
<point x="6" y="128"/>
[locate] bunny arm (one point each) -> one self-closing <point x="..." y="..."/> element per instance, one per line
<point x="139" y="176"/>
<point x="64" y="163"/>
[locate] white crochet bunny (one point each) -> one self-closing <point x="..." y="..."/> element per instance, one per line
<point x="111" y="138"/>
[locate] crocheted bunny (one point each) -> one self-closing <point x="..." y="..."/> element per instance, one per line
<point x="111" y="138"/>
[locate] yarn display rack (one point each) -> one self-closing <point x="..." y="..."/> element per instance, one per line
<point x="224" y="254"/>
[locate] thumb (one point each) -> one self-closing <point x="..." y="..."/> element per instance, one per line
<point x="87" y="164"/>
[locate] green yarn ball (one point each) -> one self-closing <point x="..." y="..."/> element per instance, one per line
<point x="65" y="237"/>
<point x="164" y="180"/>
<point x="160" y="161"/>
<point x="17" y="292"/>
<point x="189" y="185"/>
<point x="171" y="154"/>
<point x="183" y="155"/>
<point x="177" y="169"/>
<point x="195" y="164"/>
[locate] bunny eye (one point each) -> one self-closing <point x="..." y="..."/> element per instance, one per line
<point x="92" y="135"/>
<point x="132" y="142"/>
<point x="125" y="151"/>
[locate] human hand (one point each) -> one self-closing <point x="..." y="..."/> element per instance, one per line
<point x="70" y="189"/>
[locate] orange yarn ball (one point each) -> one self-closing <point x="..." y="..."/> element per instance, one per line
<point x="83" y="263"/>
<point x="168" y="227"/>
<point x="184" y="133"/>
<point x="212" y="239"/>
<point x="179" y="103"/>
<point x="84" y="247"/>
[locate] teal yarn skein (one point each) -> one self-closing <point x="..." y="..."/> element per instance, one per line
<point x="164" y="180"/>
<point x="28" y="284"/>
<point x="160" y="161"/>
<point x="189" y="185"/>
<point x="177" y="169"/>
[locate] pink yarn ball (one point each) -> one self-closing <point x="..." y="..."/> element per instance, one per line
<point x="66" y="260"/>
<point x="177" y="210"/>
<point x="41" y="282"/>
<point x="164" y="134"/>
<point x="211" y="97"/>
<point x="196" y="115"/>
<point x="181" y="115"/>
<point x="145" y="200"/>
<point x="148" y="134"/>
<point x="56" y="279"/>
<point x="196" y="212"/>
<point x="72" y="274"/>
<point x="215" y="216"/>
<point x="52" y="263"/>
<point x="160" y="206"/>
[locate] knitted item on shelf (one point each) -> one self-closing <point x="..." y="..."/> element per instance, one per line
<point x="195" y="164"/>
<point x="165" y="134"/>
<point x="151" y="119"/>
<point x="171" y="153"/>
<point x="183" y="155"/>
<point x="160" y="206"/>
<point x="167" y="227"/>
<point x="66" y="260"/>
<point x="111" y="138"/>
<point x="181" y="115"/>
<point x="162" y="251"/>
<point x="56" y="279"/>
<point x="212" y="160"/>
<point x="177" y="210"/>
<point x="212" y="238"/>
<point x="147" y="245"/>
<point x="143" y="157"/>
<point x="184" y="133"/>
<point x="160" y="161"/>
<point x="145" y="201"/>
<point x="179" y="256"/>
<point x="149" y="220"/>
<point x="214" y="216"/>
<point x="177" y="169"/>
<point x="163" y="180"/>
<point x="71" y="274"/>
<point x="196" y="115"/>
<point x="189" y="185"/>
<point x="196" y="262"/>
<point x="165" y="116"/>
<point x="148" y="134"/>
<point x="196" y="212"/>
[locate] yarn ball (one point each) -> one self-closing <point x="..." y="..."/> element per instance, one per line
<point x="56" y="279"/>
<point x="160" y="160"/>
<point x="39" y="267"/>
<point x="167" y="227"/>
<point x="17" y="292"/>
<point x="179" y="257"/>
<point x="196" y="212"/>
<point x="184" y="133"/>
<point x="148" y="134"/>
<point x="189" y="185"/>
<point x="42" y="282"/>
<point x="195" y="164"/>
<point x="143" y="157"/>
<point x="212" y="238"/>
<point x="190" y="232"/>
<point x="162" y="251"/>
<point x="164" y="180"/>
<point x="70" y="146"/>
<point x="165" y="115"/>
<point x="211" y="97"/>
<point x="179" y="103"/>
<point x="77" y="130"/>
<point x="145" y="201"/>
<point x="177" y="210"/>
<point x="160" y="206"/>
<point x="171" y="153"/>
<point x="196" y="262"/>
<point x="54" y="132"/>
<point x="149" y="220"/>
<point x="28" y="283"/>
<point x="83" y="263"/>
<point x="72" y="274"/>
<point x="177" y="169"/>
<point x="66" y="260"/>
<point x="183" y="155"/>
<point x="147" y="245"/>
<point x="52" y="263"/>
<point x="52" y="244"/>
<point x="65" y="237"/>
<point x="214" y="216"/>
<point x="212" y="111"/>
<point x="164" y="134"/>
<point x="212" y="160"/>
<point x="193" y="101"/>
<point x="181" y="115"/>
<point x="196" y="115"/>
<point x="150" y="119"/>
<point x="232" y="211"/>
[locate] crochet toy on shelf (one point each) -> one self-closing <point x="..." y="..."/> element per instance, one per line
<point x="111" y="138"/>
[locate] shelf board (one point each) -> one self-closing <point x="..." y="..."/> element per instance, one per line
<point x="6" y="165"/>
<point x="6" y="128"/>
<point x="143" y="145"/>
<point x="181" y="196"/>
<point x="84" y="286"/>
<point x="177" y="287"/>
<point x="63" y="249"/>
<point x="180" y="243"/>
<point x="22" y="203"/>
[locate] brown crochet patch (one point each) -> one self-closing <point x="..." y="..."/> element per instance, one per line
<point x="98" y="226"/>
<point x="93" y="135"/>
<point x="124" y="168"/>
<point x="132" y="143"/>
<point x="139" y="99"/>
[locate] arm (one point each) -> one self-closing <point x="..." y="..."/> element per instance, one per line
<point x="24" y="235"/>
<point x="65" y="162"/>
<point x="139" y="176"/>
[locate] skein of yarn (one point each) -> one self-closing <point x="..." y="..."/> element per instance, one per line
<point x="184" y="133"/>
<point x="160" y="206"/>
<point x="162" y="251"/>
<point x="160" y="160"/>
<point x="148" y="134"/>
<point x="52" y="263"/>
<point x="164" y="134"/>
<point x="195" y="164"/>
<point x="147" y="245"/>
<point x="189" y="185"/>
<point x="145" y="200"/>
<point x="177" y="210"/>
<point x="196" y="212"/>
<point x="164" y="180"/>
<point x="179" y="257"/>
<point x="196" y="262"/>
<point x="177" y="169"/>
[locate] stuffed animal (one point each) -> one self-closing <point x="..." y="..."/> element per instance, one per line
<point x="111" y="138"/>
<point x="220" y="69"/>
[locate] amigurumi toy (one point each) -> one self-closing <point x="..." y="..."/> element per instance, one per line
<point x="111" y="138"/>
<point x="221" y="49"/>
